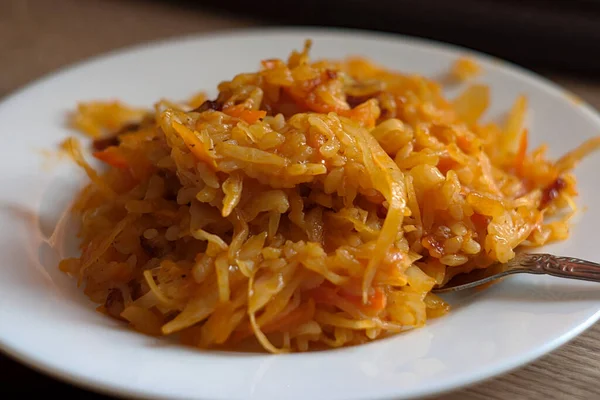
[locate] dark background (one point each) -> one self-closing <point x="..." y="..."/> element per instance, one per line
<point x="550" y="34"/>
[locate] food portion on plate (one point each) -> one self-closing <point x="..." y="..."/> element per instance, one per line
<point x="310" y="205"/>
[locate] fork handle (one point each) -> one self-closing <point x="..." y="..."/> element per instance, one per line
<point x="564" y="267"/>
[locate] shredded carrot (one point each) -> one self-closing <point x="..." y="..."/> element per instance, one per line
<point x="376" y="301"/>
<point x="366" y="113"/>
<point x="307" y="101"/>
<point x="463" y="143"/>
<point x="235" y="111"/>
<point x="113" y="156"/>
<point x="305" y="95"/>
<point x="521" y="153"/>
<point x="250" y="116"/>
<point x="196" y="146"/>
<point x="446" y="164"/>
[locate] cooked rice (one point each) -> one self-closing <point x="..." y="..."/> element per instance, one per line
<point x="309" y="205"/>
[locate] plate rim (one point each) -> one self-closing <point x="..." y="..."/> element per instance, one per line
<point x="64" y="374"/>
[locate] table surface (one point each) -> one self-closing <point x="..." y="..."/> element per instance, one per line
<point x="40" y="36"/>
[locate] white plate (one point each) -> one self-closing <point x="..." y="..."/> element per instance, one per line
<point x="46" y="322"/>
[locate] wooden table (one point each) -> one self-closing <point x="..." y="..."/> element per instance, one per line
<point x="40" y="36"/>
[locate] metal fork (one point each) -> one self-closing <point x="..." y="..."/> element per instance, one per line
<point x="527" y="263"/>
